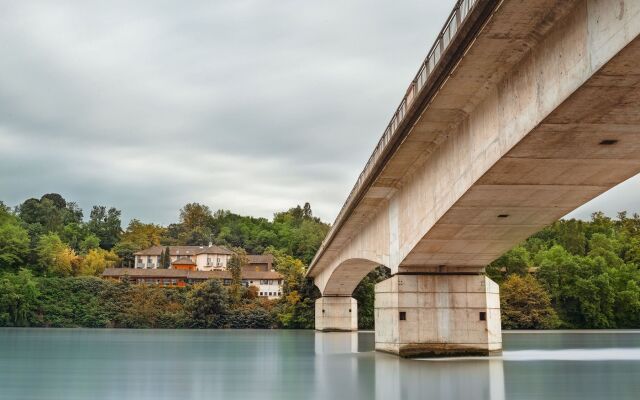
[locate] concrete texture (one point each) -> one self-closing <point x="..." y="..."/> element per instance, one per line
<point x="509" y="143"/>
<point x="442" y="316"/>
<point x="336" y="314"/>
<point x="531" y="116"/>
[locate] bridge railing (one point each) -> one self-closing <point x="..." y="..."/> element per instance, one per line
<point x="460" y="12"/>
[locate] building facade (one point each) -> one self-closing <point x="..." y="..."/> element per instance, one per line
<point x="269" y="283"/>
<point x="193" y="264"/>
<point x="206" y="258"/>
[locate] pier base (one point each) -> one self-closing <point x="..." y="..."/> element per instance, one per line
<point x="438" y="315"/>
<point x="336" y="314"/>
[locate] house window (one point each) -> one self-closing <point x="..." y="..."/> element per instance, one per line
<point x="483" y="316"/>
<point x="227" y="282"/>
<point x="264" y="282"/>
<point x="403" y="316"/>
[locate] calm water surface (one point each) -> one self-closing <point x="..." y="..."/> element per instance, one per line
<point x="74" y="364"/>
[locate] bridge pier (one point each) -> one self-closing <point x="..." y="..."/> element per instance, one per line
<point x="336" y="314"/>
<point x="438" y="315"/>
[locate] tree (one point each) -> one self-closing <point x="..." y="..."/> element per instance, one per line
<point x="89" y="243"/>
<point x="96" y="261"/>
<point x="143" y="235"/>
<point x="166" y="260"/>
<point x="57" y="200"/>
<point x="515" y="261"/>
<point x="195" y="215"/>
<point x="296" y="308"/>
<point x="105" y="224"/>
<point x="525" y="304"/>
<point x="18" y="299"/>
<point x="52" y="212"/>
<point x="207" y="305"/>
<point x="54" y="256"/>
<point x="14" y="242"/>
<point x="365" y="295"/>
<point x="238" y="260"/>
<point x="125" y="251"/>
<point x="306" y="211"/>
<point x="74" y="234"/>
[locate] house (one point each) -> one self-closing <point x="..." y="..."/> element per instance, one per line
<point x="269" y="283"/>
<point x="206" y="258"/>
<point x="192" y="264"/>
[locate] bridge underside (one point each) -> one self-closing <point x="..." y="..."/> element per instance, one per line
<point x="538" y="115"/>
<point x="587" y="145"/>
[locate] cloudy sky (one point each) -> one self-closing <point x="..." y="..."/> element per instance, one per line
<point x="248" y="105"/>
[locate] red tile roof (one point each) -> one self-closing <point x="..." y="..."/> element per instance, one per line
<point x="179" y="273"/>
<point x="184" y="250"/>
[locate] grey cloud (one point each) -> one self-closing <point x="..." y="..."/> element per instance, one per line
<point x="248" y="105"/>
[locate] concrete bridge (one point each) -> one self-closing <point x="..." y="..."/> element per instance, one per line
<point x="523" y="111"/>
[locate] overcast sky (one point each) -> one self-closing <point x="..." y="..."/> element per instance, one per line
<point x="249" y="105"/>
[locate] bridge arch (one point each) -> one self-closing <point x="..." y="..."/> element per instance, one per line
<point x="345" y="277"/>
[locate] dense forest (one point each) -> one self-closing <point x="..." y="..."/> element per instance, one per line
<point x="572" y="274"/>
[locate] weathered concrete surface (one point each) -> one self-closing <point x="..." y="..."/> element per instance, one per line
<point x="443" y="315"/>
<point x="509" y="144"/>
<point x="539" y="114"/>
<point x="336" y="314"/>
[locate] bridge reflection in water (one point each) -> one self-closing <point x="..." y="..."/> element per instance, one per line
<point x="350" y="355"/>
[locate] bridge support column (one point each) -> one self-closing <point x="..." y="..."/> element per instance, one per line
<point x="336" y="314"/>
<point x="438" y="315"/>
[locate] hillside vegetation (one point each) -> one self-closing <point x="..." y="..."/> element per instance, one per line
<point x="572" y="274"/>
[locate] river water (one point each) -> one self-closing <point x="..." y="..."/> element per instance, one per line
<point x="100" y="364"/>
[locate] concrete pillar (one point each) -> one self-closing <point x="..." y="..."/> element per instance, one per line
<point x="335" y="314"/>
<point x="438" y="315"/>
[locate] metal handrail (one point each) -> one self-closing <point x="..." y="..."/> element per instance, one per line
<point x="454" y="21"/>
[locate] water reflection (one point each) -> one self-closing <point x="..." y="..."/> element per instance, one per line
<point x="192" y="365"/>
<point x="397" y="378"/>
<point x="412" y="379"/>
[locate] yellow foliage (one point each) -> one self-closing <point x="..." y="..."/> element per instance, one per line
<point x="96" y="260"/>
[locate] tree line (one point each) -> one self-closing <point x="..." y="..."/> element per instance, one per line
<point x="51" y="257"/>
<point x="572" y="274"/>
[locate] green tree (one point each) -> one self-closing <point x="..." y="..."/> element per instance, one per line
<point x="74" y="234"/>
<point x="207" y="305"/>
<point x="52" y="212"/>
<point x="105" y="224"/>
<point x="90" y="242"/>
<point x="18" y="299"/>
<point x="365" y="295"/>
<point x="237" y="261"/>
<point x="166" y="261"/>
<point x="514" y="261"/>
<point x="14" y="242"/>
<point x="125" y="251"/>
